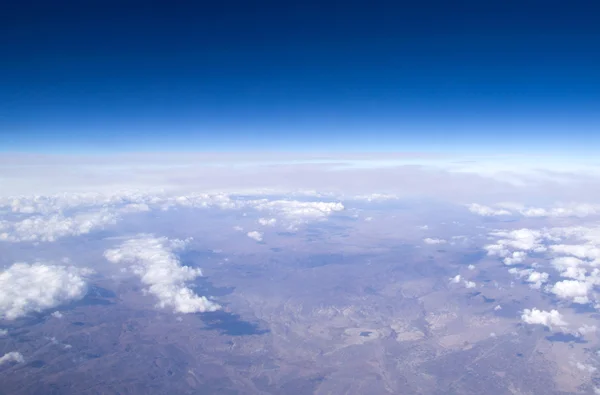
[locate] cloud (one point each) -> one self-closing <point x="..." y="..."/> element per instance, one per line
<point x="3" y="332"/>
<point x="154" y="261"/>
<point x="486" y="211"/>
<point x="267" y="221"/>
<point x="297" y="210"/>
<point x="470" y="284"/>
<point x="586" y="329"/>
<point x="12" y="356"/>
<point x="577" y="291"/>
<point x="455" y="279"/>
<point x="550" y="318"/>
<point x="255" y="235"/>
<point x="51" y="228"/>
<point x="535" y="279"/>
<point x="579" y="210"/>
<point x="26" y="288"/>
<point x="515" y="258"/>
<point x="429" y="240"/>
<point x="585" y="367"/>
<point x="471" y="267"/>
<point x="57" y="314"/>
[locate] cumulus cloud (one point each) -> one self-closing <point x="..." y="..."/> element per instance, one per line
<point x="155" y="262"/>
<point x="12" y="356"/>
<point x="429" y="240"/>
<point x="579" y="210"/>
<point x="550" y="318"/>
<point x="486" y="211"/>
<point x="455" y="279"/>
<point x="374" y="197"/>
<point x="568" y="210"/>
<point x="470" y="284"/>
<point x="577" y="291"/>
<point x="57" y="314"/>
<point x="515" y="258"/>
<point x="586" y="329"/>
<point x="267" y="221"/>
<point x="51" y="228"/>
<point x="584" y="367"/>
<point x="520" y="239"/>
<point x="255" y="235"/>
<point x="26" y="288"/>
<point x="535" y="279"/>
<point x="471" y="267"/>
<point x="297" y="210"/>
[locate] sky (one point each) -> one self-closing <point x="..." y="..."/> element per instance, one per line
<point x="468" y="77"/>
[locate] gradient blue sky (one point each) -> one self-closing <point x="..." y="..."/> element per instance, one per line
<point x="474" y="76"/>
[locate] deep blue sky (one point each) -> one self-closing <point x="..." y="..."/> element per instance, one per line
<point x="284" y="75"/>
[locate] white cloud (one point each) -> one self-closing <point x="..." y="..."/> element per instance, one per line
<point x="515" y="258"/>
<point x="26" y="288"/>
<point x="255" y="235"/>
<point x="471" y="267"/>
<point x="535" y="279"/>
<point x="57" y="314"/>
<point x="470" y="284"/>
<point x="586" y="329"/>
<point x="154" y="261"/>
<point x="550" y="318"/>
<point x="297" y="210"/>
<point x="429" y="240"/>
<point x="3" y="332"/>
<point x="520" y="239"/>
<point x="375" y="197"/>
<point x="584" y="367"/>
<point x="267" y="221"/>
<point x="486" y="211"/>
<point x="568" y="210"/>
<point x="498" y="307"/>
<point x="12" y="356"/>
<point x="455" y="279"/>
<point x="51" y="228"/>
<point x="575" y="290"/>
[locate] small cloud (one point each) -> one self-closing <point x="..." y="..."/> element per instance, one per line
<point x="584" y="367"/>
<point x="429" y="240"/>
<point x="471" y="267"/>
<point x="455" y="279"/>
<point x="577" y="291"/>
<point x="12" y="356"/>
<point x="57" y="314"/>
<point x="255" y="235"/>
<point x="470" y="284"/>
<point x="3" y="332"/>
<point x="550" y="318"/>
<point x="267" y="221"/>
<point x="498" y="307"/>
<point x="586" y="329"/>
<point x="486" y="211"/>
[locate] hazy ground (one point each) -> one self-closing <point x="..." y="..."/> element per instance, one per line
<point x="358" y="303"/>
